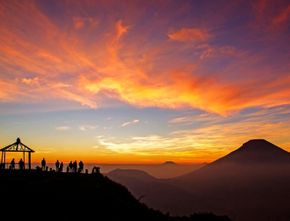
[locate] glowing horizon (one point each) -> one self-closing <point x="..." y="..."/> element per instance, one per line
<point x="143" y="82"/>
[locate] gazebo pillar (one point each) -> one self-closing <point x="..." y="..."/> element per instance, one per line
<point x="29" y="160"/>
<point x="2" y="167"/>
<point x="4" y="163"/>
<point x="24" y="159"/>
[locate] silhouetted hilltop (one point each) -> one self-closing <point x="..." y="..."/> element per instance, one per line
<point x="169" y="163"/>
<point x="37" y="195"/>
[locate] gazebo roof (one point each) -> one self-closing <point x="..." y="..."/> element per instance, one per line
<point x="18" y="146"/>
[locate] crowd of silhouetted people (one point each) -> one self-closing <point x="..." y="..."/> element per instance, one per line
<point x="72" y="167"/>
<point x="20" y="164"/>
<point x="75" y="167"/>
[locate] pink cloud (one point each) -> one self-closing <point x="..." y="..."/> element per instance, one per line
<point x="282" y="17"/>
<point x="211" y="52"/>
<point x="189" y="34"/>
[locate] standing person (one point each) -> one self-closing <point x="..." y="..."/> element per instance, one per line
<point x="70" y="166"/>
<point x="43" y="164"/>
<point x="12" y="164"/>
<point x="81" y="166"/>
<point x="57" y="166"/>
<point x="21" y="164"/>
<point x="61" y="167"/>
<point x="75" y="166"/>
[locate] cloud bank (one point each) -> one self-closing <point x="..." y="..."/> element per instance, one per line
<point x="91" y="60"/>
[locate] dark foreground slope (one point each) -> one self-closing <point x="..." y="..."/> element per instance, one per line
<point x="36" y="195"/>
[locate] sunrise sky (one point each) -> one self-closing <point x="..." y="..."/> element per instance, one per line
<point x="143" y="81"/>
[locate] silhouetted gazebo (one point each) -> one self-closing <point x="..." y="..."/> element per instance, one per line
<point x="18" y="146"/>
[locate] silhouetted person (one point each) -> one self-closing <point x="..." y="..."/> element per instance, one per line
<point x="43" y="164"/>
<point x="75" y="166"/>
<point x="12" y="164"/>
<point x="57" y="166"/>
<point x="70" y="165"/>
<point x="21" y="164"/>
<point x="81" y="166"/>
<point x="61" y="167"/>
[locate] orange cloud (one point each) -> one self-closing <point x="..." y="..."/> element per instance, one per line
<point x="78" y="23"/>
<point x="8" y="91"/>
<point x="30" y="81"/>
<point x="180" y="89"/>
<point x="189" y="34"/>
<point x="81" y="22"/>
<point x="121" y="29"/>
<point x="174" y="90"/>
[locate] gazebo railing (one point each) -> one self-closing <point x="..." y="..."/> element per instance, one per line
<point x="8" y="166"/>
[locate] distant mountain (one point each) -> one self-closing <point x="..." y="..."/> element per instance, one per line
<point x="169" y="163"/>
<point x="37" y="195"/>
<point x="162" y="170"/>
<point x="152" y="191"/>
<point x="127" y="174"/>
